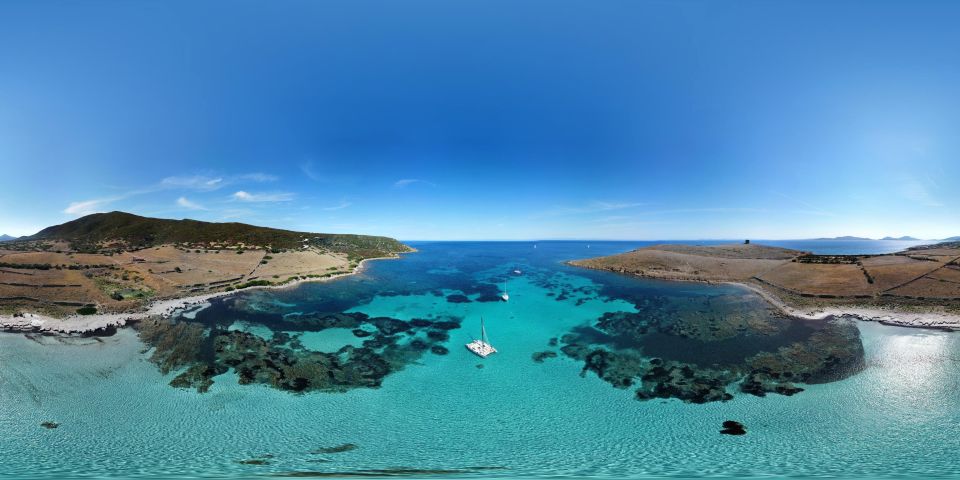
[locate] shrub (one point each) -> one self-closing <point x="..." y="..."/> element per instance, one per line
<point x="88" y="310"/>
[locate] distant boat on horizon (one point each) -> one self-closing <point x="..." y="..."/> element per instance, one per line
<point x="481" y="347"/>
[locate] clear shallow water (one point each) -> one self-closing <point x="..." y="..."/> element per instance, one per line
<point x="899" y="417"/>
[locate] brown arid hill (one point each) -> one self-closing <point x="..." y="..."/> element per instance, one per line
<point x="118" y="262"/>
<point x="925" y="278"/>
<point x="724" y="263"/>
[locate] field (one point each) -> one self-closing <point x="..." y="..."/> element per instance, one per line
<point x="61" y="283"/>
<point x="116" y="262"/>
<point x="914" y="276"/>
<point x="684" y="262"/>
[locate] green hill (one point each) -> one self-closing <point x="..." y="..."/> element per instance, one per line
<point x="124" y="230"/>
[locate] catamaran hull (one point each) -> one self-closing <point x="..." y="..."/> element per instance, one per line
<point x="481" y="349"/>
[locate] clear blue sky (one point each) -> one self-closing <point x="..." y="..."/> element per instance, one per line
<point x="487" y="119"/>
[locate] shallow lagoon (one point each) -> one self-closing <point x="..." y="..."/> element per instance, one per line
<point x="514" y="417"/>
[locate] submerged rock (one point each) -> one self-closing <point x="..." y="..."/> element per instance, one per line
<point x="539" y="357"/>
<point x="345" y="447"/>
<point x="198" y="376"/>
<point x="458" y="298"/>
<point x="283" y="361"/>
<point x="696" y="360"/>
<point x="761" y="383"/>
<point x="49" y="425"/>
<point x="731" y="427"/>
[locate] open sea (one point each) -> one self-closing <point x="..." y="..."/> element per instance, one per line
<point x="442" y="416"/>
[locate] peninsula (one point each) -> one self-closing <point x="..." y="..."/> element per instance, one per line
<point x="917" y="287"/>
<point x="103" y="266"/>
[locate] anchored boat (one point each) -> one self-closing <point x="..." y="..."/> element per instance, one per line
<point x="480" y="346"/>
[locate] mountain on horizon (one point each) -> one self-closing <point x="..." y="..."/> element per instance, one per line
<point x="86" y="233"/>
<point x="844" y="238"/>
<point x="905" y="237"/>
<point x="850" y="238"/>
<point x="6" y="238"/>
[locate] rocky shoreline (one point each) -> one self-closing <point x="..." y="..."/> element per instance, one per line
<point x="103" y="323"/>
<point x="898" y="318"/>
<point x="893" y="317"/>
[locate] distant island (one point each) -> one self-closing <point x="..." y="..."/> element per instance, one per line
<point x="919" y="286"/>
<point x="843" y="239"/>
<point x="903" y="238"/>
<point x="849" y="238"/>
<point x="113" y="263"/>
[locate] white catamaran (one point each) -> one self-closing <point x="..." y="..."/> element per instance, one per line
<point x="480" y="346"/>
<point x="505" y="296"/>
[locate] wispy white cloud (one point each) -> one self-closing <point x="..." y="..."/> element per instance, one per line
<point x="88" y="207"/>
<point x="808" y="208"/>
<point x="339" y="206"/>
<point x="406" y="182"/>
<point x="308" y="170"/>
<point x="262" y="197"/>
<point x="592" y="207"/>
<point x="196" y="182"/>
<point x="208" y="183"/>
<point x="918" y="192"/>
<point x="258" y="177"/>
<point x="183" y="202"/>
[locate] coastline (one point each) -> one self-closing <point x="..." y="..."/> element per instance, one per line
<point x="899" y="318"/>
<point x="165" y="308"/>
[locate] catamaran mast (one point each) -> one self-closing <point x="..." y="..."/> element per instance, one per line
<point x="483" y="332"/>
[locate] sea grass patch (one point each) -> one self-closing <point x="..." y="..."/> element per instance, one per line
<point x="200" y="352"/>
<point x="696" y="349"/>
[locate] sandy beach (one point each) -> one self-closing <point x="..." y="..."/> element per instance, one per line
<point x="901" y="318"/>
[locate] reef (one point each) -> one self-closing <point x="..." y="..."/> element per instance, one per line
<point x="458" y="298"/>
<point x="200" y="352"/>
<point x="731" y="427"/>
<point x="539" y="357"/>
<point x="694" y="350"/>
<point x="346" y="447"/>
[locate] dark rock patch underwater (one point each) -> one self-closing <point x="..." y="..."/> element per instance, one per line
<point x="694" y="349"/>
<point x="204" y="351"/>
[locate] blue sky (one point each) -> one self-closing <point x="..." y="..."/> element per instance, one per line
<point x="487" y="120"/>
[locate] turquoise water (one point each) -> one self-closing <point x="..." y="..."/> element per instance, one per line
<point x="511" y="418"/>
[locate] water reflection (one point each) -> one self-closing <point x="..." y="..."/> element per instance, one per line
<point x="916" y="367"/>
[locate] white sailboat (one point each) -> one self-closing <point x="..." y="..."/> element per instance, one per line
<point x="505" y="297"/>
<point x="480" y="346"/>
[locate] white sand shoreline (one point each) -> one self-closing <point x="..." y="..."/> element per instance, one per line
<point x="80" y="324"/>
<point x="900" y="318"/>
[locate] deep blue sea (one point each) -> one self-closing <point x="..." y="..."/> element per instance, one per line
<point x="442" y="416"/>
